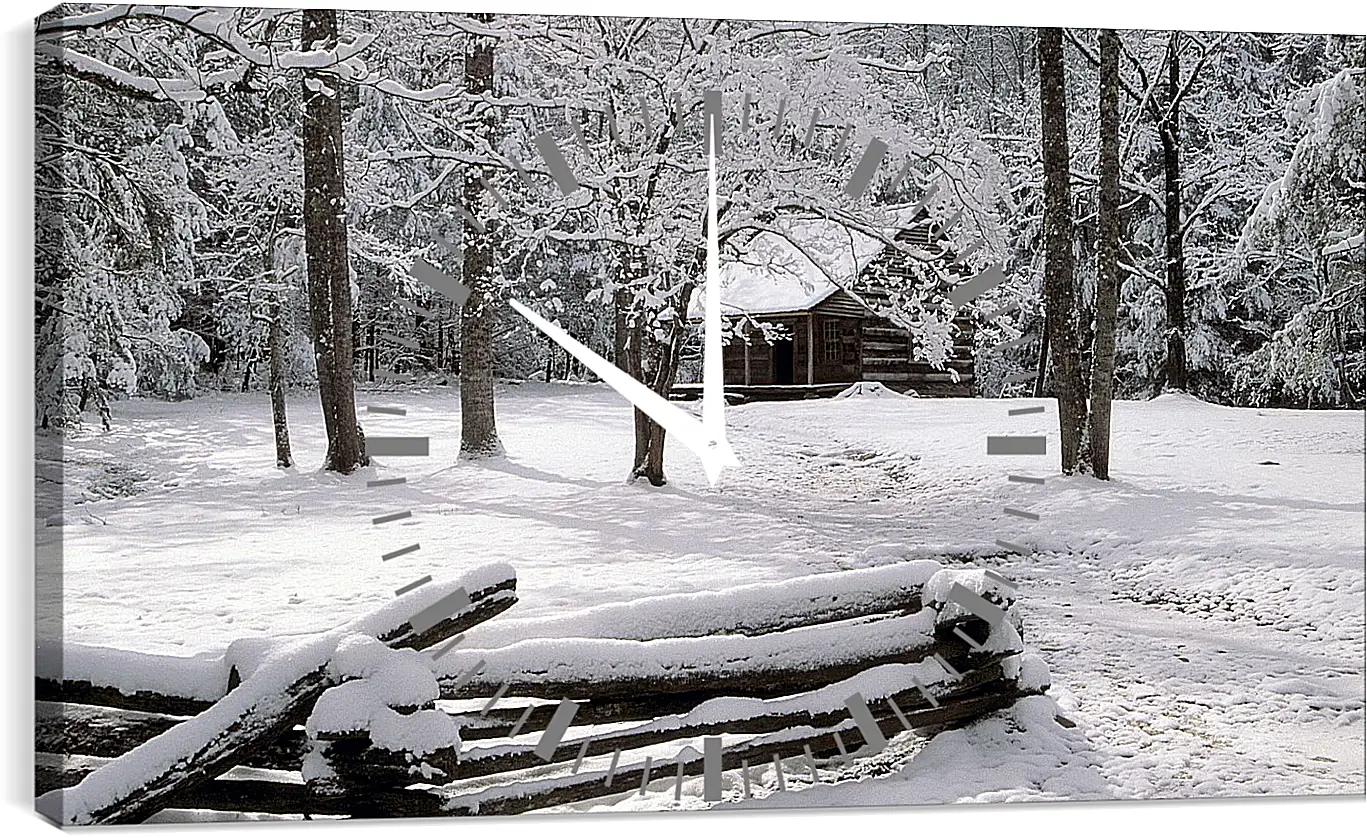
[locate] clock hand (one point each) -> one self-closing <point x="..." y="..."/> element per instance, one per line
<point x="711" y="448"/>
<point x="713" y="379"/>
<point x="684" y="427"/>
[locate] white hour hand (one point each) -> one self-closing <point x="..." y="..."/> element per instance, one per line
<point x="711" y="449"/>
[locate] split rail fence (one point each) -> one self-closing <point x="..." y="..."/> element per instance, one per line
<point x="790" y="678"/>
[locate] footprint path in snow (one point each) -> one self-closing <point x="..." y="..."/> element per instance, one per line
<point x="1184" y="704"/>
<point x="1182" y="690"/>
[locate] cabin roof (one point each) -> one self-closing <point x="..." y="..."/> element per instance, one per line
<point x="798" y="269"/>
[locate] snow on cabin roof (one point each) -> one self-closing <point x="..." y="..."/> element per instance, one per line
<point x="796" y="270"/>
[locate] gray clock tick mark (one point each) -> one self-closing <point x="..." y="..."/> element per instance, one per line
<point x="866" y="168"/>
<point x="645" y="115"/>
<point x="469" y="218"/>
<point x="967" y="252"/>
<point x="968" y="290"/>
<point x="863" y="718"/>
<point x="498" y="694"/>
<point x="411" y="307"/>
<point x="1019" y="377"/>
<point x="464" y="677"/>
<point x="451" y="644"/>
<point x="901" y="174"/>
<point x="521" y="720"/>
<point x="579" y="760"/>
<point x="556" y="163"/>
<point x="414" y="585"/>
<point x="954" y="674"/>
<point x="456" y="601"/>
<point x="811" y="129"/>
<point x="711" y="768"/>
<point x="612" y="768"/>
<point x="1001" y="312"/>
<point x="925" y="693"/>
<point x="578" y="130"/>
<point x="1012" y="344"/>
<point x="975" y="604"/>
<point x="402" y="551"/>
<point x="712" y="116"/>
<point x="1017" y="446"/>
<point x="428" y="274"/>
<point x="843" y="143"/>
<point x="645" y="777"/>
<point x="407" y="343"/>
<point x="397" y="446"/>
<point x="997" y="577"/>
<point x="493" y="191"/>
<point x="897" y="711"/>
<point x="555" y="730"/>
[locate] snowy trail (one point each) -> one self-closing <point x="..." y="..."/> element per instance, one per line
<point x="1202" y="614"/>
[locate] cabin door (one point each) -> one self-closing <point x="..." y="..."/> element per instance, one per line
<point x="783" y="362"/>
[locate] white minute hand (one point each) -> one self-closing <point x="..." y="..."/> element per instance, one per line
<point x="713" y="382"/>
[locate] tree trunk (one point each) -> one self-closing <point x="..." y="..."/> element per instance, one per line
<point x="628" y="356"/>
<point x="439" y="362"/>
<point x="371" y="353"/>
<point x="1042" y="367"/>
<point x="247" y="375"/>
<point x="1175" y="287"/>
<point x="325" y="238"/>
<point x="1108" y="254"/>
<point x="1059" y="289"/>
<point x="478" y="432"/>
<point x="283" y="457"/>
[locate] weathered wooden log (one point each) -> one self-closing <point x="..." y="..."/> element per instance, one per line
<point x="266" y="705"/>
<point x="113" y="732"/>
<point x="109" y="732"/>
<point x="818" y="708"/>
<point x="171" y="684"/>
<point x="685" y="676"/>
<point x="754" y="609"/>
<point x="113" y="736"/>
<point x="613" y="709"/>
<point x="519" y="797"/>
<point x="49" y="686"/>
<point x="978" y="693"/>
<point x="359" y="765"/>
<point x="772" y="664"/>
<point x="84" y="692"/>
<point x="94" y="731"/>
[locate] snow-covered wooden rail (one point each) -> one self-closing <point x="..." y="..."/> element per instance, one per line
<point x="772" y="666"/>
<point x="280" y="684"/>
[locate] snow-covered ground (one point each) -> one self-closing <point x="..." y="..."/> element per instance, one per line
<point x="1202" y="613"/>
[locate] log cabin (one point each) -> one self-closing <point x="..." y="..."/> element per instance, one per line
<point x="827" y="302"/>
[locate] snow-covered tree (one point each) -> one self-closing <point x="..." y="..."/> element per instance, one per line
<point x="1303" y="242"/>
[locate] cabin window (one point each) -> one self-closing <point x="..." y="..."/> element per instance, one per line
<point x="830" y="340"/>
